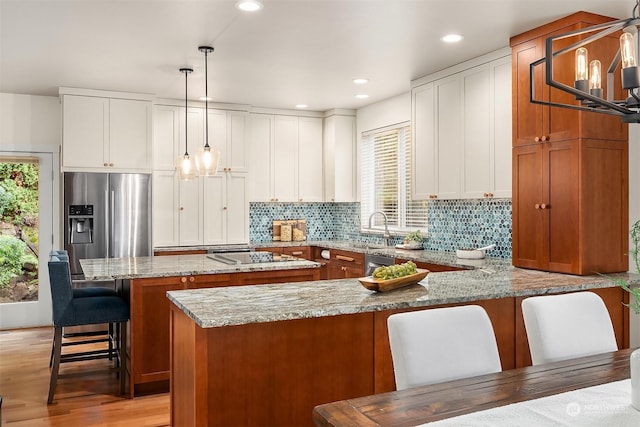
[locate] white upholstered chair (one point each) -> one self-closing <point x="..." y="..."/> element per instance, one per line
<point x="442" y="344"/>
<point x="567" y="326"/>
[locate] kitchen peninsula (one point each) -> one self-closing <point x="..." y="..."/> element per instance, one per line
<point x="145" y="281"/>
<point x="266" y="355"/>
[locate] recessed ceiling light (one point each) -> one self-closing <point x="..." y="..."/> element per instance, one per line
<point x="362" y="96"/>
<point x="249" y="5"/>
<point x="452" y="38"/>
<point x="301" y="105"/>
<point x="360" y="81"/>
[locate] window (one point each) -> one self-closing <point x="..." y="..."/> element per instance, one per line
<point x="386" y="181"/>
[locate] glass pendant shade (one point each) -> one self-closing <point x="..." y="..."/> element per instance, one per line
<point x="207" y="160"/>
<point x="186" y="167"/>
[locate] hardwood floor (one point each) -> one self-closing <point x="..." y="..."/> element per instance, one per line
<point x="79" y="401"/>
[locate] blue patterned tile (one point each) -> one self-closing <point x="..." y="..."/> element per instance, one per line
<point x="451" y="223"/>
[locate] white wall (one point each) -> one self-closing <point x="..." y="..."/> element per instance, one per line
<point x="384" y="113"/>
<point x="30" y="122"/>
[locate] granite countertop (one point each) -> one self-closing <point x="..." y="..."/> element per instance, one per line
<point x="216" y="307"/>
<point x="434" y="257"/>
<point x="175" y="265"/>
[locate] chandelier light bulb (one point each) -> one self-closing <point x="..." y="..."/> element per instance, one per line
<point x="627" y="51"/>
<point x="582" y="59"/>
<point x="207" y="161"/>
<point x="595" y="71"/>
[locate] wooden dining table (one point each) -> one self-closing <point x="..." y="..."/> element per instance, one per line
<point x="435" y="402"/>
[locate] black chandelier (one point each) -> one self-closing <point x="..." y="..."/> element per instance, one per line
<point x="587" y="87"/>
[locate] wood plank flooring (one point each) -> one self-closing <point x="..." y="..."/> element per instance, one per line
<point x="84" y="401"/>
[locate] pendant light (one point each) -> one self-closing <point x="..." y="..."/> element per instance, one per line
<point x="207" y="158"/>
<point x="185" y="164"/>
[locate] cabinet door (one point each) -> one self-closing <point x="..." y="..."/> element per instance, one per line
<point x="527" y="117"/>
<point x="527" y="220"/>
<point x="190" y="212"/>
<point x="501" y="128"/>
<point x="309" y="159"/>
<point x="237" y="141"/>
<point x="449" y="98"/>
<point x="150" y="327"/>
<point x="477" y="143"/>
<point x="166" y="137"/>
<point x="561" y="192"/>
<point x="130" y="134"/>
<point x="218" y="135"/>
<point x="260" y="159"/>
<point x="339" y="154"/>
<point x="214" y="222"/>
<point x="237" y="208"/>
<point x="165" y="209"/>
<point x="285" y="159"/>
<point x="423" y="141"/>
<point x="85" y="132"/>
<point x="195" y="129"/>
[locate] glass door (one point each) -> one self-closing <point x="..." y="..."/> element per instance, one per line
<point x="27" y="218"/>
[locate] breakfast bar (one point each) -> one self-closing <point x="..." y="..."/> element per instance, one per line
<point x="267" y="355"/>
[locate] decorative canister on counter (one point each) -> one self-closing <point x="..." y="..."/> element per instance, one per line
<point x="635" y="378"/>
<point x="285" y="232"/>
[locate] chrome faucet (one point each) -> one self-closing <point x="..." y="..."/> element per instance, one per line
<point x="386" y="235"/>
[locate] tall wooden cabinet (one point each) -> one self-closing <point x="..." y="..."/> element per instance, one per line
<point x="570" y="168"/>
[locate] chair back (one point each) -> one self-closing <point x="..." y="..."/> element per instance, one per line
<point x="60" y="283"/>
<point x="561" y="327"/>
<point x="442" y="344"/>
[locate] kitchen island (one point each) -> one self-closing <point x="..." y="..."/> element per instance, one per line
<point x="144" y="281"/>
<point x="267" y="355"/>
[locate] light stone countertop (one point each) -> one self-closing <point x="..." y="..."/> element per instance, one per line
<point x="434" y="257"/>
<point x="216" y="307"/>
<point x="175" y="265"/>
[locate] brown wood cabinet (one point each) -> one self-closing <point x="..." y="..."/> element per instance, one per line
<point x="149" y="324"/>
<point x="303" y="252"/>
<point x="570" y="168"/>
<point x="345" y="265"/>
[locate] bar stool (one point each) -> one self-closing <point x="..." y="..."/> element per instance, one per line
<point x="69" y="310"/>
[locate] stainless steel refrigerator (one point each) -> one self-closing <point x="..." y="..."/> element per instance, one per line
<point x="106" y="215"/>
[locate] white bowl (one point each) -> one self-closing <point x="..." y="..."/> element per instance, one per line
<point x="469" y="254"/>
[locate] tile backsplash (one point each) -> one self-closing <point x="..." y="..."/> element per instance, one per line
<point x="452" y="223"/>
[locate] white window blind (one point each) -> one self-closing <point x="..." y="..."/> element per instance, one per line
<point x="386" y="180"/>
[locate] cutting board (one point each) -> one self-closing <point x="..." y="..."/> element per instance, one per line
<point x="298" y="230"/>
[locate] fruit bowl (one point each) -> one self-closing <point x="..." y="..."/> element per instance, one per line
<point x="381" y="285"/>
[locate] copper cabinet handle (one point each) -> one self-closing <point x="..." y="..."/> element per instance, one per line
<point x="181" y="208"/>
<point x="183" y="279"/>
<point x="536" y="139"/>
<point x="296" y="253"/>
<point x="544" y="138"/>
<point x="537" y="206"/>
<point x="192" y="279"/>
<point x="433" y="196"/>
<point x="111" y="164"/>
<point x="224" y="209"/>
<point x="343" y="268"/>
<point x="543" y="206"/>
<point x="345" y="258"/>
<point x="105" y="164"/>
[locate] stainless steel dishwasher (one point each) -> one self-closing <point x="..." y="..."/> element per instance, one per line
<point x="371" y="262"/>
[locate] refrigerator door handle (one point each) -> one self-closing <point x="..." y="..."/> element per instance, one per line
<point x="111" y="220"/>
<point x="107" y="223"/>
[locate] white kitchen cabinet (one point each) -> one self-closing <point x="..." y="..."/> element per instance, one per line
<point x="166" y="136"/>
<point x="226" y="210"/>
<point x="285" y="154"/>
<point x="227" y="131"/>
<point x="461" y="125"/>
<point x="339" y="155"/>
<point x="285" y="158"/>
<point x="423" y="140"/>
<point x="165" y="214"/>
<point x="310" y="159"/>
<point x="260" y="158"/>
<point x="102" y="134"/>
<point x="190" y="212"/>
<point x="449" y="101"/>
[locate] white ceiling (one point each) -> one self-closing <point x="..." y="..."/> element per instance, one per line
<point x="291" y="52"/>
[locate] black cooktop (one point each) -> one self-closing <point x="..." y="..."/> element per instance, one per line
<point x="235" y="258"/>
